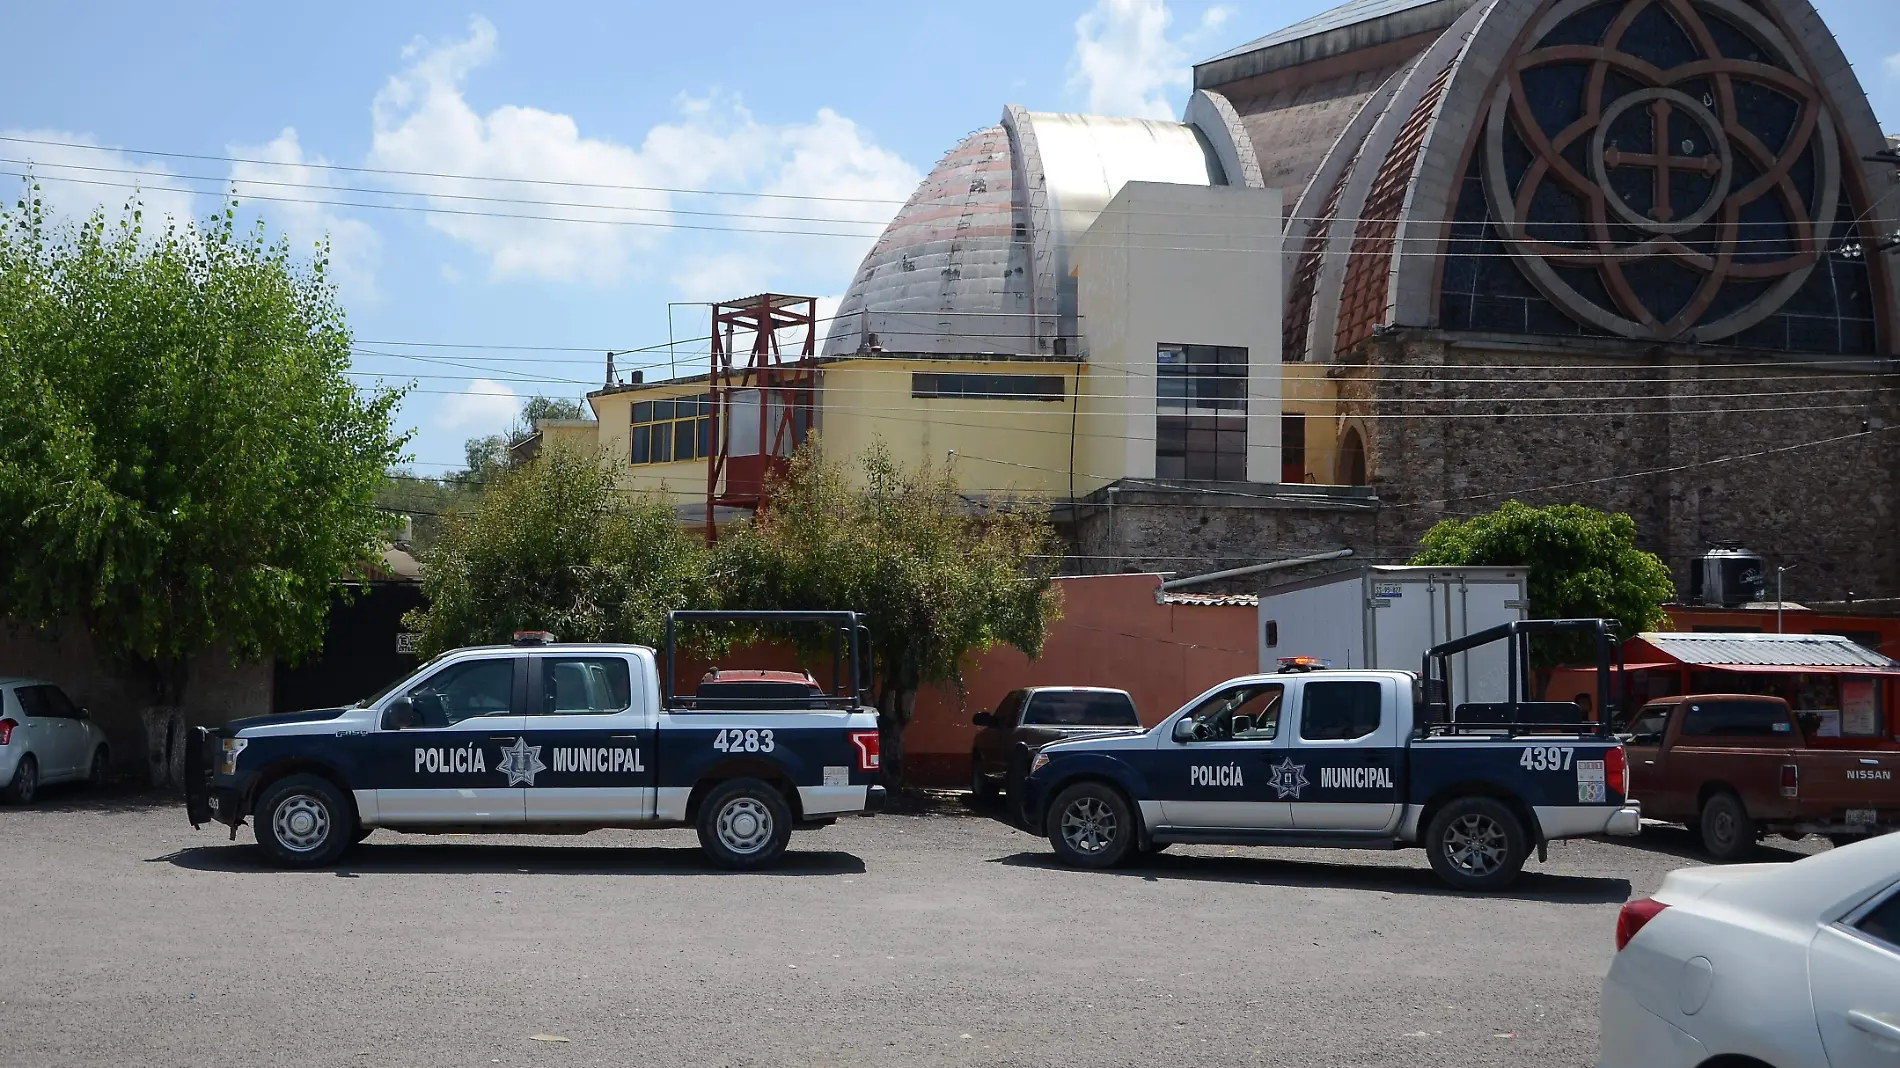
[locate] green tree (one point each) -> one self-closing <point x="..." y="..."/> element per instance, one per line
<point x="1583" y="563"/>
<point x="184" y="464"/>
<point x="937" y="580"/>
<point x="551" y="545"/>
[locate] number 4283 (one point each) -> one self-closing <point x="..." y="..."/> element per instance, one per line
<point x="735" y="740"/>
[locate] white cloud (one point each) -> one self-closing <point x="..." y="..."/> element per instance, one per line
<point x="486" y="407"/>
<point x="1893" y="65"/>
<point x="422" y="121"/>
<point x="1125" y="63"/>
<point x="354" y="244"/>
<point x="74" y="181"/>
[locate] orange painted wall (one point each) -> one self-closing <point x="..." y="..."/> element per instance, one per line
<point x="1112" y="633"/>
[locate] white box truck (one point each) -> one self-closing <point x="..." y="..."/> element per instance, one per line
<point x="1385" y="617"/>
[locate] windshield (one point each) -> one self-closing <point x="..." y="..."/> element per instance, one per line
<point x="397" y="683"/>
<point x="1056" y="708"/>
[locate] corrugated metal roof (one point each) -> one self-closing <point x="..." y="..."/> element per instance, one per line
<point x="1246" y="599"/>
<point x="1785" y="650"/>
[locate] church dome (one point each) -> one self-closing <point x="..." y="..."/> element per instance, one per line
<point x="977" y="260"/>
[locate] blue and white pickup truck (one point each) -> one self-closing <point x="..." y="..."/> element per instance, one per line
<point x="1353" y="759"/>
<point x="542" y="737"/>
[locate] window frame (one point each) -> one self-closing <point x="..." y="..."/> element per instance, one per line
<point x="1031" y="705"/>
<point x="1308" y="687"/>
<point x="1850" y="924"/>
<point x="1222" y="695"/>
<point x="538" y="699"/>
<point x="665" y="420"/>
<point x="514" y="664"/>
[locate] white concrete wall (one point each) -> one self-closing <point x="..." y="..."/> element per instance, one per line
<point x="1175" y="264"/>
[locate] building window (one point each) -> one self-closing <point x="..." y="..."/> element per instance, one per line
<point x="1201" y="412"/>
<point x="669" y="430"/>
<point x="1293" y="448"/>
<point x="987" y="387"/>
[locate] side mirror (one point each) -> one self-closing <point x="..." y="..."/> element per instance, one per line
<point x="1184" y="729"/>
<point x="983" y="719"/>
<point x="401" y="715"/>
<point x="1243" y="724"/>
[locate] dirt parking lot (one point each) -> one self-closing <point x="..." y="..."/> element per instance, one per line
<point x="131" y="939"/>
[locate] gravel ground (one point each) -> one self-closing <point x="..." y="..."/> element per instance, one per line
<point x="130" y="939"/>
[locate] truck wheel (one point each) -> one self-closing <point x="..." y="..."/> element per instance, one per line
<point x="303" y="821"/>
<point x="1091" y="826"/>
<point x="744" y="824"/>
<point x="1477" y="843"/>
<point x="1727" y="833"/>
<point x="982" y="790"/>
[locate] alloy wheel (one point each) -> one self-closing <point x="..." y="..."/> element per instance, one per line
<point x="1089" y="825"/>
<point x="1475" y="844"/>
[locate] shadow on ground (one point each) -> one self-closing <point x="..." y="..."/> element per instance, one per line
<point x="400" y="858"/>
<point x="112" y="797"/>
<point x="1678" y="842"/>
<point x="1533" y="885"/>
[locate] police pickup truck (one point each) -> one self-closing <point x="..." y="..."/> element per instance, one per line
<point x="1353" y="759"/>
<point x="547" y="738"/>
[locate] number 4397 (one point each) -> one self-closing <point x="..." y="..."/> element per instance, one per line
<point x="1547" y="757"/>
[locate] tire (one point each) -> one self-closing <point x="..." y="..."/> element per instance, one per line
<point x="96" y="774"/>
<point x="1477" y="844"/>
<point x="982" y="790"/>
<point x="26" y="783"/>
<point x="744" y="825"/>
<point x="303" y="821"/>
<point x="1728" y="835"/>
<point x="1091" y="825"/>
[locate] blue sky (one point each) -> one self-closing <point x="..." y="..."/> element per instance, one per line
<point x="850" y="100"/>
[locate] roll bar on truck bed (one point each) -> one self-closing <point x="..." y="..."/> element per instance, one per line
<point x="1517" y="714"/>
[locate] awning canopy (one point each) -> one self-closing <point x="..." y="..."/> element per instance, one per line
<point x="1765" y="652"/>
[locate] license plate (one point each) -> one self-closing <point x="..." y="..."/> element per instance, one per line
<point x="214" y="806"/>
<point x="1860" y="817"/>
<point x="1591" y="793"/>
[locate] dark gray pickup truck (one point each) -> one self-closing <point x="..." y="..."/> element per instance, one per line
<point x="1028" y="719"/>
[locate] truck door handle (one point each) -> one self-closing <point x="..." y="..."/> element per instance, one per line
<point x="503" y="737"/>
<point x="618" y="737"/>
<point x="1885" y="1030"/>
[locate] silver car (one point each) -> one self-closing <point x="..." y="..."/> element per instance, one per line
<point x="45" y="738"/>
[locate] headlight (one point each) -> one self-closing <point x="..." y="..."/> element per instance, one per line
<point x="232" y="747"/>
<point x="1036" y="764"/>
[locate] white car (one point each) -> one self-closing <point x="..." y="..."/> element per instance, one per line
<point x="45" y="738"/>
<point x="1761" y="966"/>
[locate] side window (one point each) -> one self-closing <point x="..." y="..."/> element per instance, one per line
<point x="1339" y="711"/>
<point x="462" y="691"/>
<point x="33" y="702"/>
<point x="57" y="703"/>
<point x="1751" y="719"/>
<point x="584" y="684"/>
<point x="1883" y="921"/>
<point x="1650" y="724"/>
<point x="1010" y="711"/>
<point x="1249" y="713"/>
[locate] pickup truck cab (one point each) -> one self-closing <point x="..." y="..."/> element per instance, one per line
<point x="1351" y="759"/>
<point x="1734" y="767"/>
<point x="542" y="737"/>
<point x="1026" y="720"/>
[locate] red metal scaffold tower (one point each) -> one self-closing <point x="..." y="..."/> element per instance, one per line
<point x="761" y="411"/>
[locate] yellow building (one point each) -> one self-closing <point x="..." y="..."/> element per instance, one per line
<point x="1069" y="304"/>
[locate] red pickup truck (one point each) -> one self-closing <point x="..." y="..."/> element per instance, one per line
<point x="1735" y="767"/>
